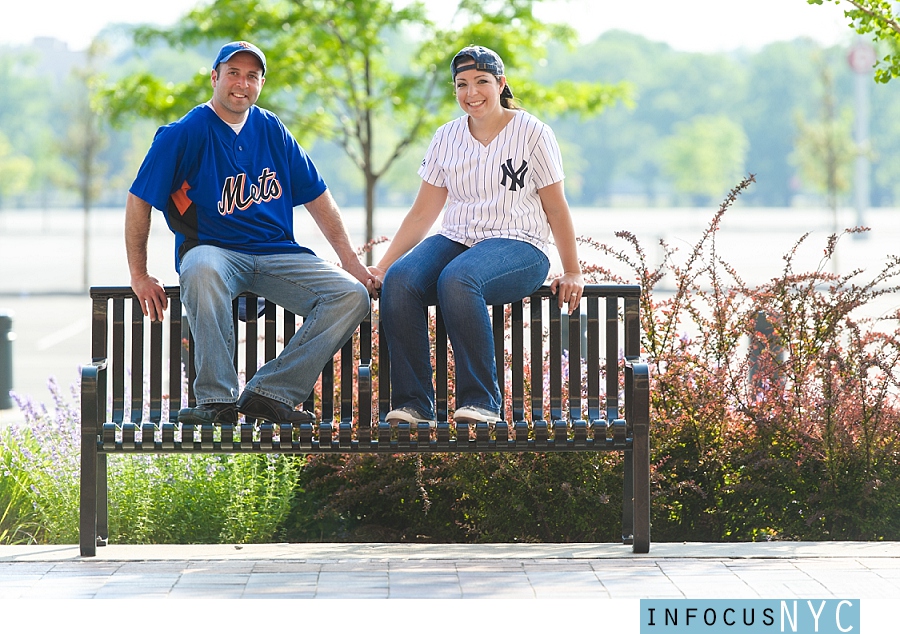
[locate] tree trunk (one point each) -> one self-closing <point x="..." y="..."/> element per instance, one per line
<point x="370" y="214"/>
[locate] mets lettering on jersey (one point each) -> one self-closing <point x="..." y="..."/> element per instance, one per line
<point x="233" y="190"/>
<point x="492" y="191"/>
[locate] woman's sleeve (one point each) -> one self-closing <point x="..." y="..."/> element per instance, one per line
<point x="431" y="169"/>
<point x="547" y="159"/>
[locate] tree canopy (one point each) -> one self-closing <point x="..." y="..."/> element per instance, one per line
<point x="879" y="20"/>
<point x="341" y="70"/>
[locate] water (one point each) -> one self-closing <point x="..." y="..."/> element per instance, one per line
<point x="41" y="262"/>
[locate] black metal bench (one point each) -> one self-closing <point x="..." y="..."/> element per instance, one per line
<point x="154" y="360"/>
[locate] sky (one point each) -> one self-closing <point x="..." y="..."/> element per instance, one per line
<point x="687" y="25"/>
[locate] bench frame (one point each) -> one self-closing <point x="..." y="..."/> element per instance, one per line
<point x="616" y="418"/>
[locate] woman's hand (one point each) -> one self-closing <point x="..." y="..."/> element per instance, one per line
<point x="568" y="289"/>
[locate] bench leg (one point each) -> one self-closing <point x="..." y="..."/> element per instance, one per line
<point x="641" y="457"/>
<point x="90" y="416"/>
<point x="88" y="501"/>
<point x="628" y="499"/>
<point x="641" y="493"/>
<point x="102" y="502"/>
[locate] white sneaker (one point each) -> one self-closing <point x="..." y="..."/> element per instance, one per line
<point x="408" y="415"/>
<point x="472" y="414"/>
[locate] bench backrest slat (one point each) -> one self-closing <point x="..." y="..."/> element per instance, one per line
<point x="364" y="406"/>
<point x="176" y="368"/>
<point x="632" y="319"/>
<point x="327" y="402"/>
<point x="118" y="359"/>
<point x="347" y="381"/>
<point x="384" y="375"/>
<point x="251" y="338"/>
<point x="441" y="368"/>
<point x="555" y="362"/>
<point x="137" y="362"/>
<point x="593" y="358"/>
<point x="537" y="360"/>
<point x="156" y="370"/>
<point x="497" y="323"/>
<point x="574" y="358"/>
<point x="271" y="321"/>
<point x="189" y="362"/>
<point x="517" y="359"/>
<point x="612" y="354"/>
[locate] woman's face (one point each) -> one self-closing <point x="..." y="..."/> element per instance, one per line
<point x="478" y="92"/>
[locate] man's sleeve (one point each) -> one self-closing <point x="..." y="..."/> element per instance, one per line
<point x="159" y="174"/>
<point x="306" y="183"/>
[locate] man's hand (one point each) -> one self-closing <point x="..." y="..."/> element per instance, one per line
<point x="568" y="290"/>
<point x="151" y="295"/>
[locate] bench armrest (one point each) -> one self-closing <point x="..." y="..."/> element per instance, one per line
<point x="92" y="407"/>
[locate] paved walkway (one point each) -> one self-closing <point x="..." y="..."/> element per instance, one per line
<point x="454" y="571"/>
<point x="591" y="587"/>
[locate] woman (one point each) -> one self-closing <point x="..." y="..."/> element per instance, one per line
<point x="500" y="171"/>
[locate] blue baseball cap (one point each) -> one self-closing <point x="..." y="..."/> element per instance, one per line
<point x="227" y="51"/>
<point x="482" y="59"/>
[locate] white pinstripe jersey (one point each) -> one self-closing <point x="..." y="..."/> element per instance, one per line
<point x="492" y="191"/>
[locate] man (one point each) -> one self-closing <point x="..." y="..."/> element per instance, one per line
<point x="227" y="175"/>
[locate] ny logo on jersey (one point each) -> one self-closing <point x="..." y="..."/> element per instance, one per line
<point x="233" y="196"/>
<point x="517" y="177"/>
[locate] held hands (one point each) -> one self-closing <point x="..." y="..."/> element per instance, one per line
<point x="151" y="295"/>
<point x="374" y="284"/>
<point x="355" y="268"/>
<point x="568" y="289"/>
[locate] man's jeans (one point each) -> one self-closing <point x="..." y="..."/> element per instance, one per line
<point x="462" y="281"/>
<point x="332" y="302"/>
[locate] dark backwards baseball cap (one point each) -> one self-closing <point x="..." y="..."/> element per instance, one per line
<point x="227" y="51"/>
<point x="482" y="59"/>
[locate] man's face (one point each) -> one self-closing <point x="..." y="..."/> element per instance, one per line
<point x="236" y="86"/>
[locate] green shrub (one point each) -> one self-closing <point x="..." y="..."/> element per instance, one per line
<point x="240" y="498"/>
<point x="498" y="497"/>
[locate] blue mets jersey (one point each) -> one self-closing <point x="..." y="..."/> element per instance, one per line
<point x="235" y="191"/>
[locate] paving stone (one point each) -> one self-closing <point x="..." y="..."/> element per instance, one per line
<point x="275" y="593"/>
<point x="8" y="568"/>
<point x="220" y="579"/>
<point x="497" y="593"/>
<point x="285" y="567"/>
<point x="449" y="590"/>
<point x="338" y="594"/>
<point x="282" y="579"/>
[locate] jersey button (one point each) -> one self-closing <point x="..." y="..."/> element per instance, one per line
<point x="240" y="148"/>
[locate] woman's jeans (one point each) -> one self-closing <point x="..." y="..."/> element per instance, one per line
<point x="462" y="281"/>
<point x="331" y="301"/>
